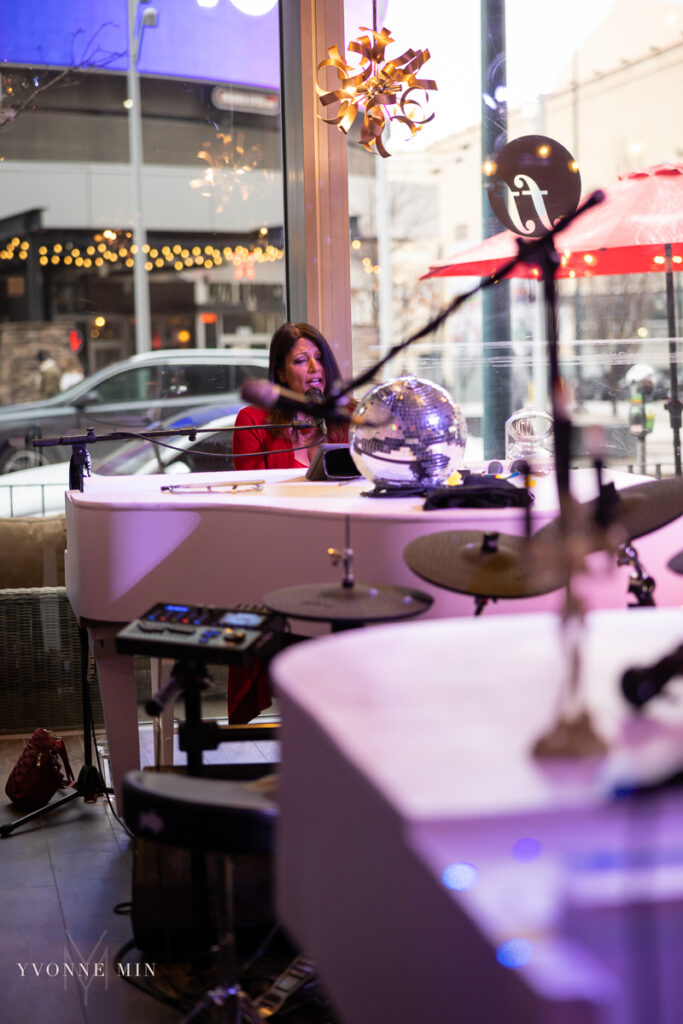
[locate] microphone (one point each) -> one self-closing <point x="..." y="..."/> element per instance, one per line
<point x="267" y="395"/>
<point x="316" y="395"/>
<point x="642" y="684"/>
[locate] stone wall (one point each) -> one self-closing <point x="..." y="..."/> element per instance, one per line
<point x="19" y="348"/>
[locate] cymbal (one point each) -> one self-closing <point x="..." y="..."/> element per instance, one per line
<point x="638" y="510"/>
<point x="462" y="560"/>
<point x="362" y="602"/>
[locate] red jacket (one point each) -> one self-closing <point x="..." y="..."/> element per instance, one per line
<point x="259" y="448"/>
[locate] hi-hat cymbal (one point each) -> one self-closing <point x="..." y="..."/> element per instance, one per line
<point x="362" y="602"/>
<point x="468" y="562"/>
<point x="637" y="511"/>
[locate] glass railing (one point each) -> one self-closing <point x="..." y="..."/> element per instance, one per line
<point x="30" y="499"/>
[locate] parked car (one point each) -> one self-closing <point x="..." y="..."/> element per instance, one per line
<point x="136" y="393"/>
<point x="40" y="490"/>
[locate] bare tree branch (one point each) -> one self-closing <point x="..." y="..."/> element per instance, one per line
<point x="21" y="88"/>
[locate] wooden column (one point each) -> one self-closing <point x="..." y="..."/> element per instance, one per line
<point x="315" y="177"/>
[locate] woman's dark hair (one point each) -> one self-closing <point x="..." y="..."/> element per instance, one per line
<point x="283" y="341"/>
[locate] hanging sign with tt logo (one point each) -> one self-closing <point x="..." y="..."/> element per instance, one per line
<point x="533" y="181"/>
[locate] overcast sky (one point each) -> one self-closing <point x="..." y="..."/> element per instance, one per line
<point x="541" y="38"/>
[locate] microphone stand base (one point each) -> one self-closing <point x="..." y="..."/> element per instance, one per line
<point x="571" y="737"/>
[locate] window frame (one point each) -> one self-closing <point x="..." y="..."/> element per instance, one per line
<point x="315" y="179"/>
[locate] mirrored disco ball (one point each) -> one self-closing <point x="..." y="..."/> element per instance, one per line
<point x="412" y="434"/>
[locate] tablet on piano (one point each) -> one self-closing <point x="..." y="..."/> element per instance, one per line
<point x="332" y="462"/>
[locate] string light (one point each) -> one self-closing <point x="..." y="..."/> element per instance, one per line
<point x="117" y="251"/>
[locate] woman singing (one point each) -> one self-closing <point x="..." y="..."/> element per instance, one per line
<point x="302" y="361"/>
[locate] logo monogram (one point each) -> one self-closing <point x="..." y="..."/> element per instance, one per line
<point x="90" y="967"/>
<point x="536" y="195"/>
<point x="534" y="182"/>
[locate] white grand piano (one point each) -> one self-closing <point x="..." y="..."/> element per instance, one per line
<point x="435" y="870"/>
<point x="132" y="542"/>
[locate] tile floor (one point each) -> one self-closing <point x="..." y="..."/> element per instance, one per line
<point x="62" y="877"/>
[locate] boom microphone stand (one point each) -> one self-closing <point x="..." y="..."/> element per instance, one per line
<point x="573" y="732"/>
<point x="89" y="783"/>
<point x="537" y="251"/>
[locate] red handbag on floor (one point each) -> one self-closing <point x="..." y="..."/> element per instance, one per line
<point x="37" y="775"/>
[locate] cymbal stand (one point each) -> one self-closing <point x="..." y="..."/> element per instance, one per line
<point x="345" y="554"/>
<point x="489" y="545"/>
<point x="480" y="603"/>
<point x="641" y="585"/>
<point x="573" y="733"/>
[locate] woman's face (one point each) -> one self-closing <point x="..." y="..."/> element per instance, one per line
<point x="303" y="367"/>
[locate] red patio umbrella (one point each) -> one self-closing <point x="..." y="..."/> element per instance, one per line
<point x="638" y="228"/>
<point x="625" y="234"/>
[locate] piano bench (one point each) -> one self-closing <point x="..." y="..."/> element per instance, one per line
<point x="208" y="814"/>
<point x="203" y="851"/>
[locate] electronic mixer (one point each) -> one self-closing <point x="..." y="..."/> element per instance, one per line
<point x="227" y="636"/>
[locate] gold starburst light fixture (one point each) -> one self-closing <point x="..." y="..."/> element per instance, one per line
<point x="379" y="89"/>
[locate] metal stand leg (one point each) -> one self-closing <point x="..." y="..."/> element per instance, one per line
<point x="162" y="726"/>
<point x="89" y="784"/>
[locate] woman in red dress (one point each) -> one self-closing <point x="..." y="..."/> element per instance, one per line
<point x="302" y="361"/>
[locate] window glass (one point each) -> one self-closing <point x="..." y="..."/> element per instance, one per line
<point x="136" y="385"/>
<point x="602" y="79"/>
<point x="208" y="378"/>
<point x="141" y="208"/>
<point x="141" y="171"/>
<point x="201" y="380"/>
<point x="242" y="373"/>
<point x="210" y="452"/>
